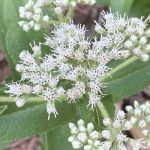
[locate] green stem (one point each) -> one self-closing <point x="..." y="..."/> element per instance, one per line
<point x="103" y="110"/>
<point x="106" y="115"/>
<point x="12" y="100"/>
<point x="114" y="147"/>
<point x="120" y="67"/>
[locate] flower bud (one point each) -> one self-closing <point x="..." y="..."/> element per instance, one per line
<point x="60" y="91"/>
<point x="107" y="121"/>
<point x="26" y="27"/>
<point x="28" y="15"/>
<point x="37" y="50"/>
<point x="71" y="138"/>
<point x="76" y="144"/>
<point x="82" y="137"/>
<point x="82" y="129"/>
<point x="137" y="112"/>
<point x="94" y="135"/>
<point x="128" y="125"/>
<point x="145" y="57"/>
<point x="133" y="38"/>
<point x="143" y="40"/>
<point x="80" y="122"/>
<point x="147" y="48"/>
<point x="133" y="120"/>
<point x="128" y="44"/>
<point x="106" y="134"/>
<point x="20" y="102"/>
<point x="21" y="23"/>
<point x="136" y="104"/>
<point x="19" y="67"/>
<point x="46" y="18"/>
<point x="90" y="127"/>
<point x="37" y="27"/>
<point x="129" y="108"/>
<point x="97" y="143"/>
<point x="88" y="147"/>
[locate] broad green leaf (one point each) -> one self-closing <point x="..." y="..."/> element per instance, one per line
<point x="57" y="139"/>
<point x="140" y="8"/>
<point x="16" y="42"/>
<point x="109" y="104"/>
<point x="84" y="111"/>
<point x="2" y="109"/>
<point x="125" y="67"/>
<point x="33" y="121"/>
<point x="121" y="6"/>
<point x="10" y="15"/>
<point x="129" y="84"/>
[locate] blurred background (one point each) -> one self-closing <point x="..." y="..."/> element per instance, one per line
<point x="85" y="15"/>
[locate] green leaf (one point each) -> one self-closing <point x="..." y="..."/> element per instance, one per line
<point x="121" y="6"/>
<point x="10" y="15"/>
<point x="2" y="109"/>
<point x="84" y="112"/>
<point x="16" y="42"/>
<point x="129" y="84"/>
<point x="33" y="121"/>
<point x="126" y="67"/>
<point x="57" y="139"/>
<point x="109" y="104"/>
<point x="140" y="8"/>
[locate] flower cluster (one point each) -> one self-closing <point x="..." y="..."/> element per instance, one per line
<point x="113" y="136"/>
<point x="73" y="59"/>
<point x="34" y="16"/>
<point x="131" y="34"/>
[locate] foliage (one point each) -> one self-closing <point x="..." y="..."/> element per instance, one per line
<point x="20" y="123"/>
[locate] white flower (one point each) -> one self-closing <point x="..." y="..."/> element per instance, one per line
<point x="121" y="138"/>
<point x="129" y="34"/>
<point x="106" y="134"/>
<point x="93" y="100"/>
<point x="137" y="144"/>
<point x="51" y="109"/>
<point x="82" y="137"/>
<point x="15" y="89"/>
<point x="72" y="59"/>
